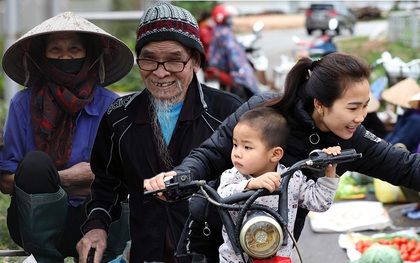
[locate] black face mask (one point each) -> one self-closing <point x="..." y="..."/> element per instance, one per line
<point x="69" y="66"/>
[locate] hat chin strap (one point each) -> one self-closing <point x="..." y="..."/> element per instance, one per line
<point x="101" y="69"/>
<point x="27" y="56"/>
<point x="101" y="65"/>
<point x="102" y="74"/>
<point x="25" y="68"/>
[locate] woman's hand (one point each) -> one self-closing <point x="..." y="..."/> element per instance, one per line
<point x="330" y="170"/>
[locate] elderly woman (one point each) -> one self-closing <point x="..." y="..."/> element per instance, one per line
<point x="64" y="62"/>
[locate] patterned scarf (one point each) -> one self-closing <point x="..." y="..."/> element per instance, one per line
<point x="55" y="105"/>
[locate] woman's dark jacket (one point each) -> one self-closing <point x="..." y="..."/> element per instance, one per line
<point x="124" y="154"/>
<point x="379" y="158"/>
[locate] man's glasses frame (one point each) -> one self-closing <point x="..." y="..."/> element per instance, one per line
<point x="170" y="66"/>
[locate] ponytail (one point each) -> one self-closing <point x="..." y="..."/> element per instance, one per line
<point x="325" y="80"/>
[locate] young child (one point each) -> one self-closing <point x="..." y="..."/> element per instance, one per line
<point x="259" y="141"/>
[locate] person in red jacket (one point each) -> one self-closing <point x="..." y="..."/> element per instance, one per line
<point x="227" y="57"/>
<point x="206" y="26"/>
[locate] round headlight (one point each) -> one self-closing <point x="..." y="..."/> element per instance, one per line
<point x="261" y="236"/>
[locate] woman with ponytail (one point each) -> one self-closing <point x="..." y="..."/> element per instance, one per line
<point x="325" y="103"/>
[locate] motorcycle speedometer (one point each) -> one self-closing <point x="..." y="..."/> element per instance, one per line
<point x="261" y="236"/>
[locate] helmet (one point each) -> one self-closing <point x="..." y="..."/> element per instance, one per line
<point x="222" y="14"/>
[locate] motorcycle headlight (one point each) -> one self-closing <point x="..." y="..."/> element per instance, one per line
<point x="261" y="236"/>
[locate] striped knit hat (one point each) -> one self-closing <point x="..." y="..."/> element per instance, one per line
<point x="163" y="22"/>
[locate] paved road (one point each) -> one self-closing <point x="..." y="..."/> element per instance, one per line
<point x="279" y="42"/>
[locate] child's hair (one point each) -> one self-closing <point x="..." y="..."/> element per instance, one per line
<point x="273" y="125"/>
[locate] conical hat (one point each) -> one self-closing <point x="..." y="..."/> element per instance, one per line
<point x="118" y="58"/>
<point x="373" y="103"/>
<point x="401" y="92"/>
<point x="414" y="101"/>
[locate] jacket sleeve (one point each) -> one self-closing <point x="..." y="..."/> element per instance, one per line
<point x="382" y="160"/>
<point x="208" y="161"/>
<point x="15" y="136"/>
<point x="107" y="189"/>
<point x="318" y="196"/>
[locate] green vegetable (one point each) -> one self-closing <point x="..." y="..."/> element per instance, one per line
<point x="381" y="254"/>
<point x="348" y="188"/>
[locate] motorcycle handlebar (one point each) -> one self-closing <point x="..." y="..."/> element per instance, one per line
<point x="319" y="159"/>
<point x="182" y="185"/>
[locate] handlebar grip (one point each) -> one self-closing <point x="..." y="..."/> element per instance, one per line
<point x="322" y="159"/>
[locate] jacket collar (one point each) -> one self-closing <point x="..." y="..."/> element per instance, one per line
<point x="92" y="108"/>
<point x="300" y="114"/>
<point x="305" y="120"/>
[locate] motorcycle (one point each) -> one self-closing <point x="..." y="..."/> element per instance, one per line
<point x="217" y="78"/>
<point x="256" y="55"/>
<point x="319" y="46"/>
<point x="259" y="231"/>
<point x="280" y="72"/>
<point x="315" y="49"/>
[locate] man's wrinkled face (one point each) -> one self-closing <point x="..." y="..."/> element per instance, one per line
<point x="163" y="84"/>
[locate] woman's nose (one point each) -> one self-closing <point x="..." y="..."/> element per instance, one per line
<point x="360" y="118"/>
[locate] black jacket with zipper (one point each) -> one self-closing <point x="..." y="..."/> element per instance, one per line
<point x="124" y="154"/>
<point x="379" y="158"/>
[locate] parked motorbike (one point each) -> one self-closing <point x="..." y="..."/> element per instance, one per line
<point x="315" y="49"/>
<point x="258" y="231"/>
<point x="220" y="79"/>
<point x="280" y="72"/>
<point x="256" y="55"/>
<point x="319" y="46"/>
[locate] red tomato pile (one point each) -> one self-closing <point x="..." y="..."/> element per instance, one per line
<point x="409" y="248"/>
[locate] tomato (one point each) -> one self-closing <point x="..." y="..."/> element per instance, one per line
<point x="414" y="257"/>
<point x="409" y="248"/>
<point x="405" y="256"/>
<point x="396" y="240"/>
<point x="384" y="241"/>
<point x="411" y="245"/>
<point x="404" y="240"/>
<point x="362" y="245"/>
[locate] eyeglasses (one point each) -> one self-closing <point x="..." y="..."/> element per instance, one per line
<point x="170" y="66"/>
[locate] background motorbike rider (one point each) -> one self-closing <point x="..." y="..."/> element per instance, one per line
<point x="206" y="27"/>
<point x="227" y="59"/>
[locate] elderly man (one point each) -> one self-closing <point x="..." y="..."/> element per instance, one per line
<point x="152" y="131"/>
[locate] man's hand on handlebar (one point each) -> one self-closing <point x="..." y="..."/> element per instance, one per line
<point x="157" y="182"/>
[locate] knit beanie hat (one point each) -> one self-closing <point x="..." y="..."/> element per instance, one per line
<point x="164" y="21"/>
